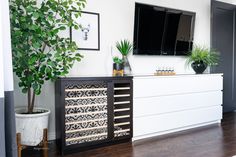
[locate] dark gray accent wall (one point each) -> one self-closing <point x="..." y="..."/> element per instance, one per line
<point x="10" y="127"/>
<point x="223" y="40"/>
<point x="2" y="130"/>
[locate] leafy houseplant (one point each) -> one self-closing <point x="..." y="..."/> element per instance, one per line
<point x="117" y="60"/>
<point x="39" y="53"/>
<point x="118" y="63"/>
<point x="201" y="57"/>
<point x="118" y="67"/>
<point x="125" y="47"/>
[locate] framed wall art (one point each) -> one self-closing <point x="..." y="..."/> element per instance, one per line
<point x="88" y="37"/>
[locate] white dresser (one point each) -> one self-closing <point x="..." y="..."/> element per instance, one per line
<point x="165" y="104"/>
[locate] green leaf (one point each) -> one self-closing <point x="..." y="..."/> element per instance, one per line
<point x="32" y="60"/>
<point x="21" y="84"/>
<point x="62" y="28"/>
<point x="37" y="91"/>
<point x="76" y="27"/>
<point x="24" y="90"/>
<point x="36" y="15"/>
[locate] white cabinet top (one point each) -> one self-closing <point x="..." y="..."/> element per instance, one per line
<point x="141" y="76"/>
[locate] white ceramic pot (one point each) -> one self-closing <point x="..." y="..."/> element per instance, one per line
<point x="31" y="125"/>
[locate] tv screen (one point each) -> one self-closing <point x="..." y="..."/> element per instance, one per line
<point x="162" y="31"/>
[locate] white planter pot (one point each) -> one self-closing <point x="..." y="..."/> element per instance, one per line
<point x="31" y="125"/>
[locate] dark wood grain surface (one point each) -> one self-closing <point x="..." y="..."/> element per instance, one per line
<point x="211" y="141"/>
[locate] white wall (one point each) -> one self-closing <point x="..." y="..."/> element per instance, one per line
<point x="1" y="57"/>
<point x="6" y="45"/>
<point x="117" y="22"/>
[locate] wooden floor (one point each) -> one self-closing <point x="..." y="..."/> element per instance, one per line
<point x="211" y="141"/>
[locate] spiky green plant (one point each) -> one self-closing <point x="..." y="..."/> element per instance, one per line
<point x="202" y="54"/>
<point x="124" y="46"/>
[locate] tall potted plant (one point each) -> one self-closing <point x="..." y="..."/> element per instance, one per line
<point x="125" y="47"/>
<point x="40" y="54"/>
<point x="201" y="57"/>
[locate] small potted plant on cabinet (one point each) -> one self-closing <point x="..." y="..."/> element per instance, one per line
<point x="125" y="47"/>
<point x="201" y="57"/>
<point x="118" y="67"/>
<point x="40" y="54"/>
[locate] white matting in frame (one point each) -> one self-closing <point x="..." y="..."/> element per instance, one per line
<point x="87" y="38"/>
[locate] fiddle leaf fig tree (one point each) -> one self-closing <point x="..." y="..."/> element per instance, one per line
<point x="40" y="53"/>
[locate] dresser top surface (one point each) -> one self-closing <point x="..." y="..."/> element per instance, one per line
<point x="177" y="75"/>
<point x="105" y="77"/>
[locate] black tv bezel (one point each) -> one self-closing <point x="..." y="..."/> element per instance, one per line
<point x="136" y="19"/>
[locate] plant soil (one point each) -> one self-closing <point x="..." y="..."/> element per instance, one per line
<point x="38" y="112"/>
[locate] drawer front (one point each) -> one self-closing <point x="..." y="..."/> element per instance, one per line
<point x="173" y="103"/>
<point x="176" y="120"/>
<point x="157" y="86"/>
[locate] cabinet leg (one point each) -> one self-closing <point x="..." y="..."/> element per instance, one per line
<point x="19" y="146"/>
<point x="45" y="142"/>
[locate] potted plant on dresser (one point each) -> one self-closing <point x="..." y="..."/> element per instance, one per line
<point x="118" y="67"/>
<point x="201" y="57"/>
<point x="125" y="47"/>
<point x="40" y="54"/>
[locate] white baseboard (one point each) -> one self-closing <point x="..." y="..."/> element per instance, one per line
<point x="174" y="130"/>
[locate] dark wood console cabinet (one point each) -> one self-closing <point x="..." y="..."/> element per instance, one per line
<point x="93" y="111"/>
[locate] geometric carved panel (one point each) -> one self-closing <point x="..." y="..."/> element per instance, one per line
<point x="85" y="113"/>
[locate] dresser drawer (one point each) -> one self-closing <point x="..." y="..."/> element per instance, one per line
<point x="167" y="122"/>
<point x="158" y="86"/>
<point x="167" y="104"/>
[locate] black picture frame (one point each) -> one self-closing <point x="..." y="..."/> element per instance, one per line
<point x="89" y="40"/>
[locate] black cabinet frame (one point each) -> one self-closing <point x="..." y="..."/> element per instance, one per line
<point x="119" y="111"/>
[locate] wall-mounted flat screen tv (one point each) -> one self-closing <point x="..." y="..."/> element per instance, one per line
<point x="162" y="31"/>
